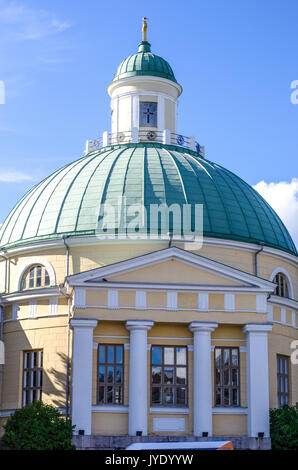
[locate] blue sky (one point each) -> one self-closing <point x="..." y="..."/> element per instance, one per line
<point x="235" y="61"/>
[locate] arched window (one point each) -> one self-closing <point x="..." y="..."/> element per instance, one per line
<point x="35" y="277"/>
<point x="282" y="288"/>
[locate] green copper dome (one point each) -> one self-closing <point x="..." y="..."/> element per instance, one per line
<point x="144" y="63"/>
<point x="68" y="201"/>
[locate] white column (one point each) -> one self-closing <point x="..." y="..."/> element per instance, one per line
<point x="257" y="378"/>
<point x="202" y="382"/>
<point x="82" y="373"/>
<point x="166" y="139"/>
<point x="135" y="111"/>
<point x="106" y="139"/>
<point x="138" y="402"/>
<point x="160" y="113"/>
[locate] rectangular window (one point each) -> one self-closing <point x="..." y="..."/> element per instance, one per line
<point x="227" y="377"/>
<point x="282" y="380"/>
<point x="148" y="114"/>
<point x="32" y="376"/>
<point x="169" y="376"/>
<point x="110" y="374"/>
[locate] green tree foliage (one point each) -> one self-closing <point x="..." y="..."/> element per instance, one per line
<point x="284" y="428"/>
<point x="37" y="426"/>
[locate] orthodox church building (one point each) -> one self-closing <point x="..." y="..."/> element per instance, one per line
<point x="139" y="324"/>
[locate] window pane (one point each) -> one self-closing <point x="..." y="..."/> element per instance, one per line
<point x="181" y="396"/>
<point x="101" y="373"/>
<point x="234" y="377"/>
<point x="46" y="278"/>
<point x="34" y="381"/>
<point x="38" y="276"/>
<point x="235" y="357"/>
<point x="181" y="375"/>
<point x="118" y="395"/>
<point x="34" y="362"/>
<point x="156" y="375"/>
<point x="156" y="355"/>
<point x="31" y="278"/>
<point x="226" y="357"/>
<point x="217" y="396"/>
<point x="110" y="354"/>
<point x="181" y="356"/>
<point x="286" y="366"/>
<point x="40" y="358"/>
<point x="226" y="396"/>
<point x="109" y="394"/>
<point x="119" y="358"/>
<point x="169" y="355"/>
<point x="156" y="395"/>
<point x="101" y="395"/>
<point x="168" y="395"/>
<point x="110" y="373"/>
<point x="235" y="397"/>
<point x="217" y="377"/>
<point x="168" y="377"/>
<point x="226" y="377"/>
<point x="118" y="378"/>
<point x="217" y="357"/>
<point x="26" y="361"/>
<point x="102" y="354"/>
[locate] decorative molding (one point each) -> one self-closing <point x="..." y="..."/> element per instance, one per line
<point x="79" y="300"/>
<point x="53" y="306"/>
<point x="261" y="303"/>
<point x="109" y="409"/>
<point x="169" y="424"/>
<point x="141" y="302"/>
<point x="32" y="309"/>
<point x="229" y="410"/>
<point x="165" y="410"/>
<point x="270" y="313"/>
<point x="172" y="300"/>
<point x="113" y="298"/>
<point x="203" y="301"/>
<point x="283" y="315"/>
<point x="229" y="302"/>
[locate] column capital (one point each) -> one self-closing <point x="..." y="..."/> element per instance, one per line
<point x="83" y="322"/>
<point x="144" y="325"/>
<point x="205" y="326"/>
<point x="257" y="328"/>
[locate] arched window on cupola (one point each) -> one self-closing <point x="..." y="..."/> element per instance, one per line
<point x="35" y="277"/>
<point x="282" y="288"/>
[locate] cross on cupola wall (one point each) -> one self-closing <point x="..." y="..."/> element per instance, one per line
<point x="148" y="113"/>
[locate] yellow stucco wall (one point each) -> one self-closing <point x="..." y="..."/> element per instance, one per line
<point x="229" y="425"/>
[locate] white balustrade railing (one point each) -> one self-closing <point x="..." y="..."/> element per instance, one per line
<point x="135" y="135"/>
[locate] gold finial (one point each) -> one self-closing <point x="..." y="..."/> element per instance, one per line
<point x="144" y="29"/>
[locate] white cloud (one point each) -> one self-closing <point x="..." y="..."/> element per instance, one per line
<point x="18" y="22"/>
<point x="14" y="177"/>
<point x="283" y="197"/>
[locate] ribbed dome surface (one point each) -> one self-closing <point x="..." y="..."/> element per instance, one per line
<point x="68" y="201"/>
<point x="144" y="62"/>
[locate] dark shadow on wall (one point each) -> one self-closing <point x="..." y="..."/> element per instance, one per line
<point x="55" y="383"/>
